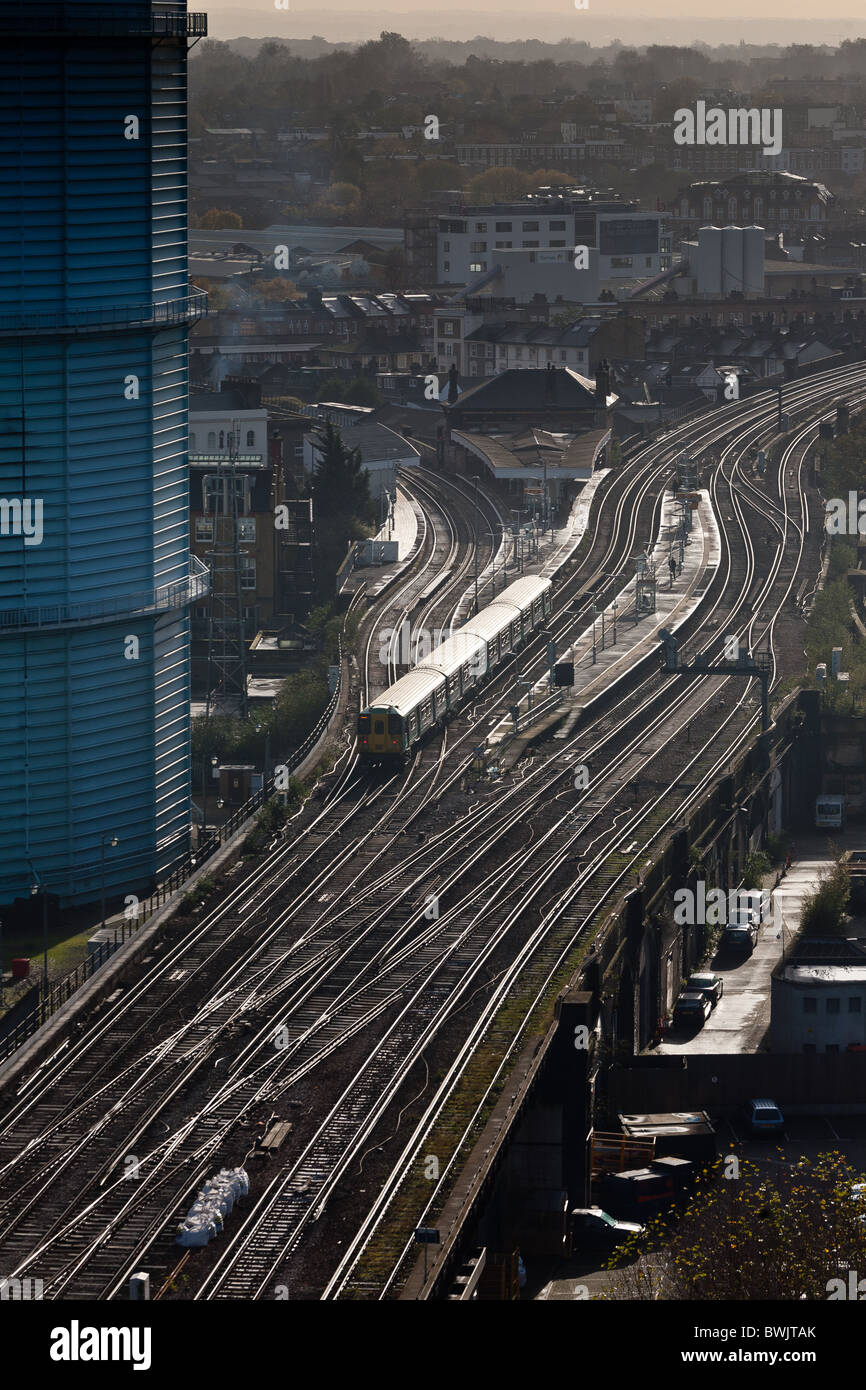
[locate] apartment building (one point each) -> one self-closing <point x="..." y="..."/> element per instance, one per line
<point x="628" y="242"/>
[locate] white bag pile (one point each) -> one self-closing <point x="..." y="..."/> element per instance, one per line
<point x="206" y="1217"/>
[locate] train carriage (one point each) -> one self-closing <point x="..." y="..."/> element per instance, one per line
<point x="401" y="715"/>
<point x="462" y="660"/>
<point x="395" y="721"/>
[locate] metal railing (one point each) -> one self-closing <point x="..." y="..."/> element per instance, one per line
<point x="538" y="710"/>
<point x="49" y="1001"/>
<point x="153" y="314"/>
<point x="28" y="17"/>
<point x="175" y="595"/>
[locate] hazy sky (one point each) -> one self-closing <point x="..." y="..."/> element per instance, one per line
<point x="766" y="21"/>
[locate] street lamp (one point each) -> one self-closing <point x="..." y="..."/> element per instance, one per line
<point x="113" y="841"/>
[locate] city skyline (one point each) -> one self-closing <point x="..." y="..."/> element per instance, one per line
<point x="354" y="21"/>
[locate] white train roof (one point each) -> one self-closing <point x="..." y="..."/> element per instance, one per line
<point x="408" y="691"/>
<point x="455" y="651"/>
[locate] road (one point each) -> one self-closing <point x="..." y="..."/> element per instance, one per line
<point x="741" y="1018"/>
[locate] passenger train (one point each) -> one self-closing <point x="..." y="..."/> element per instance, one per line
<point x="432" y="690"/>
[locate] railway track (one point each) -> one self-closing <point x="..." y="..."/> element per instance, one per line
<point x="338" y="963"/>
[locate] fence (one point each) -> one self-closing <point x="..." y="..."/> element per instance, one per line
<point x="100" y="19"/>
<point x="70" y="318"/>
<point x="175" y="595"/>
<point x="48" y="1002"/>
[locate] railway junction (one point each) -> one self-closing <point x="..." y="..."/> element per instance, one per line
<point x="362" y="1015"/>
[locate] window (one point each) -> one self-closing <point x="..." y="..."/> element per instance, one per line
<point x="832" y="1047"/>
<point x="649" y="261"/>
<point x="248" y="572"/>
<point x="503" y="246"/>
<point x="246" y="528"/>
<point x="620" y="262"/>
<point x="477" y="266"/>
<point x="448" y="328"/>
<point x="481" y="226"/>
<point x="299" y="451"/>
<point x="557" y="227"/>
<point x="810" y="1005"/>
<point x="192" y="441"/>
<point x="446" y="246"/>
<point x="211" y="439"/>
<point x="446" y="265"/>
<point x="832" y="1006"/>
<point x="809" y="1047"/>
<point x="563" y="354"/>
<point x="203" y="528"/>
<point x="530" y="243"/>
<point x="530" y="226"/>
<point x="478" y="246"/>
<point x="251" y="439"/>
<point x="557" y="243"/>
<point x="854" y="1004"/>
<point x="503" y="226"/>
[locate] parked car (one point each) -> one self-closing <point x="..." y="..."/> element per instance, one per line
<point x="711" y="986"/>
<point x="593" y="1227"/>
<point x="739" y="939"/>
<point x="763" y="1117"/>
<point x="691" y="1010"/>
<point x="745" y="917"/>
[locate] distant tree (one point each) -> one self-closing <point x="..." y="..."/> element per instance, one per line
<point x="434" y="174"/>
<point x="217" y="218"/>
<point x="752" y="1233"/>
<point x="823" y="908"/>
<point x="342" y="195"/>
<point x="217" y="297"/>
<point x="277" y="290"/>
<point x="498" y="185"/>
<point x="340" y="484"/>
<point x="555" y="178"/>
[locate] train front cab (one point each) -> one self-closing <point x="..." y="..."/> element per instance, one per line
<point x="381" y="735"/>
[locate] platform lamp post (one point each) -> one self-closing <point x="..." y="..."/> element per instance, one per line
<point x="594" y="612"/>
<point x="112" y="840"/>
<point x="475" y="546"/>
<point x="267" y="732"/>
<point x="213" y="763"/>
<point x="614" y="606"/>
<point x="37" y="888"/>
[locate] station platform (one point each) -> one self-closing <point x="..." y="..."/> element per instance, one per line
<point x="554" y="549"/>
<point x="406" y="526"/>
<point x="595" y="671"/>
